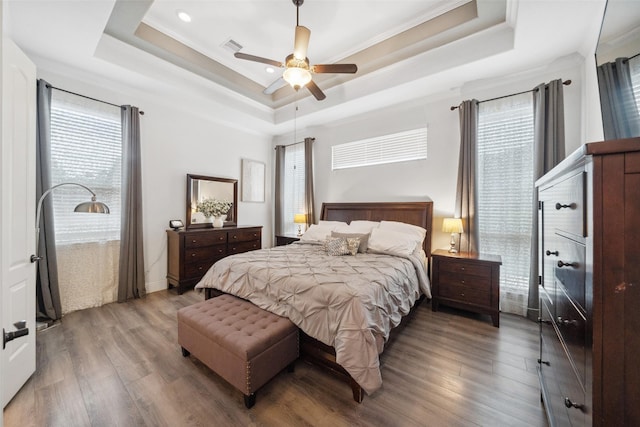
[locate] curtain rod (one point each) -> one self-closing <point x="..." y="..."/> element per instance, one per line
<point x="566" y="83"/>
<point x="293" y="143"/>
<point x="88" y="97"/>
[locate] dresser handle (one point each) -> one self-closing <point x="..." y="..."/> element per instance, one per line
<point x="567" y="264"/>
<point x="567" y="322"/>
<point x="235" y="237"/>
<point x="193" y="255"/>
<point x="193" y="241"/>
<point x="549" y="253"/>
<point x="570" y="206"/>
<point x="461" y="268"/>
<point x="544" y="362"/>
<point x="569" y="404"/>
<point x="462" y="282"/>
<point x="546" y="322"/>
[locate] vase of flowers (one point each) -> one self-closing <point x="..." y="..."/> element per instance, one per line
<point x="214" y="208"/>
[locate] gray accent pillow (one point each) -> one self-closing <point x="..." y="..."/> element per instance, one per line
<point x="364" y="239"/>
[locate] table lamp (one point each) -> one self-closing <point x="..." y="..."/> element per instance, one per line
<point x="300" y="219"/>
<point x="453" y="226"/>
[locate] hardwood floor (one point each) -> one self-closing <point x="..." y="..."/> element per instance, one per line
<point x="120" y="364"/>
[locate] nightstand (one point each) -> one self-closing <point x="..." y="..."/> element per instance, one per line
<point x="467" y="281"/>
<point x="285" y="239"/>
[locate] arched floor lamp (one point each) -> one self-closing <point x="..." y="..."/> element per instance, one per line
<point x="87" y="207"/>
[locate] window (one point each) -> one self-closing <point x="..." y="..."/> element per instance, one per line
<point x="505" y="192"/>
<point x="86" y="148"/>
<point x="294" y="186"/>
<point x="397" y="147"/>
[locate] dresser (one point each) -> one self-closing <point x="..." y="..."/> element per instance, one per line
<point x="469" y="281"/>
<point x="192" y="252"/>
<point x="589" y="286"/>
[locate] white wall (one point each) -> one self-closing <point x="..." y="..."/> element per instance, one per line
<point x="434" y="178"/>
<point x="176" y="140"/>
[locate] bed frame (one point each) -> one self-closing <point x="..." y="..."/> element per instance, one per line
<point x="416" y="213"/>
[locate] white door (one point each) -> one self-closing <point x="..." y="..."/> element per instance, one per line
<point x="17" y="215"/>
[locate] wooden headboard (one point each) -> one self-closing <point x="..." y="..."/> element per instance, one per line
<point x="416" y="213"/>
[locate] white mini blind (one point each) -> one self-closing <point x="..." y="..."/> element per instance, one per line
<point x="86" y="148"/>
<point x="505" y="192"/>
<point x="294" y="185"/>
<point x="397" y="147"/>
<point x="634" y="69"/>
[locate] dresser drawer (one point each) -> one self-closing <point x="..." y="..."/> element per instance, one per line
<point x="209" y="238"/>
<point x="570" y="271"/>
<point x="571" y="326"/>
<point x="467" y="294"/>
<point x="465" y="268"/>
<point x="244" y="236"/>
<point x="568" y="203"/>
<point x="196" y="255"/>
<point x="196" y="270"/>
<point x="236" y="248"/>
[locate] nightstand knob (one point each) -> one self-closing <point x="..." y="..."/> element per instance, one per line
<point x="462" y="268"/>
<point x="462" y="281"/>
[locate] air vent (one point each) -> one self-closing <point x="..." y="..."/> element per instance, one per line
<point x="232" y="46"/>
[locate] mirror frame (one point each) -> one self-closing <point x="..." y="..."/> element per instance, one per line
<point x="234" y="208"/>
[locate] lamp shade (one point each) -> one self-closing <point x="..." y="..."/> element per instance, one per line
<point x="452" y="225"/>
<point x="92" y="207"/>
<point x="300" y="218"/>
<point x="296" y="77"/>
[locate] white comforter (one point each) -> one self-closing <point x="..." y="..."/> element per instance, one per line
<point x="348" y="302"/>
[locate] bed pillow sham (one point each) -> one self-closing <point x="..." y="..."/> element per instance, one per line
<point x="319" y="232"/>
<point x="416" y="232"/>
<point x="391" y="242"/>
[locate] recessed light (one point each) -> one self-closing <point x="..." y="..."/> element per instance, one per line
<point x="184" y="16"/>
<point x="270" y="70"/>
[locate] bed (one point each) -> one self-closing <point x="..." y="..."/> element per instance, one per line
<point x="345" y="306"/>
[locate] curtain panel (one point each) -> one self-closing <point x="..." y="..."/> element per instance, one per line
<point x="279" y="191"/>
<point x="466" y="192"/>
<point x="548" y="151"/>
<point x="131" y="283"/>
<point x="308" y="181"/>
<point x="47" y="288"/>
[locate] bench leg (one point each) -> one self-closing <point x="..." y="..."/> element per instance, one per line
<point x="185" y="352"/>
<point x="249" y="400"/>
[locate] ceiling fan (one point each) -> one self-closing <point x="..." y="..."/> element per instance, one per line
<point x="297" y="69"/>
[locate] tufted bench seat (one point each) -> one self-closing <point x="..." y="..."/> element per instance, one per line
<point x="244" y="344"/>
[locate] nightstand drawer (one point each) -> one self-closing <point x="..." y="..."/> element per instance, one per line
<point x="467" y="294"/>
<point x="448" y="278"/>
<point x="465" y="268"/>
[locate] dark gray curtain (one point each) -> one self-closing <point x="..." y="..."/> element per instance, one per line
<point x="620" y="115"/>
<point x="548" y="151"/>
<point x="47" y="290"/>
<point x="308" y="181"/>
<point x="279" y="190"/>
<point x="131" y="268"/>
<point x="466" y="193"/>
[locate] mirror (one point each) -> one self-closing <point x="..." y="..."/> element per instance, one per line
<point x="619" y="38"/>
<point x="201" y="187"/>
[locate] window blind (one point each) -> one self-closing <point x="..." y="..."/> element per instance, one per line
<point x="634" y="69"/>
<point x="397" y="147"/>
<point x="86" y="148"/>
<point x="294" y="185"/>
<point x="505" y="192"/>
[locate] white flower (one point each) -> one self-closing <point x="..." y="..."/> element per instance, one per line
<point x="213" y="207"/>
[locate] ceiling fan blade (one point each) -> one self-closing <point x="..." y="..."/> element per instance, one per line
<point x="316" y="91"/>
<point x="277" y="84"/>
<point x="301" y="42"/>
<point x="254" y="58"/>
<point x="335" y="68"/>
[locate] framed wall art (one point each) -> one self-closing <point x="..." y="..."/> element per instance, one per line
<point x="253" y="173"/>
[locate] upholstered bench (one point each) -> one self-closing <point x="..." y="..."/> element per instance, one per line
<point x="245" y="345"/>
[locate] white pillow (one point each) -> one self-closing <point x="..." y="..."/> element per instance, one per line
<point x="320" y="231"/>
<point x="363" y="226"/>
<point x="418" y="233"/>
<point x="391" y="242"/>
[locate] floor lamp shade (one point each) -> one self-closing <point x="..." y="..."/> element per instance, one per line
<point x="92" y="206"/>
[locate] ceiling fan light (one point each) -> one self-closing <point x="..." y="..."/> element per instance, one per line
<point x="297" y="77"/>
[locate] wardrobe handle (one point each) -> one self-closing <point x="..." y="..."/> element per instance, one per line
<point x="549" y="253"/>
<point x="570" y="206"/>
<point x="544" y="362"/>
<point x="566" y="322"/>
